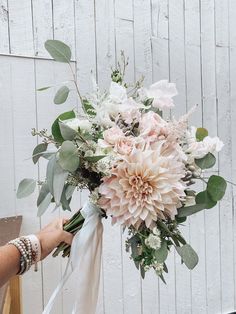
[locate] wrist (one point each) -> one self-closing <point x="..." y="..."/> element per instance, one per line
<point x="29" y="249"/>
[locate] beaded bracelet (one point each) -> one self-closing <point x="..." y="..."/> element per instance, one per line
<point x="30" y="251"/>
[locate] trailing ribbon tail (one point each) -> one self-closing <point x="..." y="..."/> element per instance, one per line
<point x="86" y="251"/>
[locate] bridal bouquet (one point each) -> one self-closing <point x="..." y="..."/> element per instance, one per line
<point x="140" y="168"/>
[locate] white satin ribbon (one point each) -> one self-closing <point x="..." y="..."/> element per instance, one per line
<point x="86" y="251"/>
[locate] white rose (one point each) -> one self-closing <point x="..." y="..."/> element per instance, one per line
<point x="84" y="125"/>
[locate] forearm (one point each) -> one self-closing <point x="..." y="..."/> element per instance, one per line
<point x="9" y="262"/>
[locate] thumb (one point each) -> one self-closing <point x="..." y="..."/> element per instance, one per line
<point x="67" y="237"/>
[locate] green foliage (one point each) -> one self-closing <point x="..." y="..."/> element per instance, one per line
<point x="61" y="95"/>
<point x="148" y="102"/>
<point x="201" y="133"/>
<point x="134" y="242"/>
<point x="216" y="187"/>
<point x="43" y="88"/>
<point x="162" y="253"/>
<point x="205" y="199"/>
<point x="25" y="188"/>
<point x="56" y="132"/>
<point x="58" y="50"/>
<point x="38" y="152"/>
<point x="67" y="133"/>
<point x="94" y="158"/>
<point x="44" y="199"/>
<point x="56" y="177"/>
<point x="88" y="108"/>
<point x="190" y="210"/>
<point x="68" y="156"/>
<point x="188" y="255"/>
<point x="206" y="162"/>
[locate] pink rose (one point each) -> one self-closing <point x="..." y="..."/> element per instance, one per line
<point x="112" y="135"/>
<point x="124" y="145"/>
<point x="153" y="127"/>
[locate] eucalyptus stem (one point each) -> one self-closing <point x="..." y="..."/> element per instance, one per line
<point x="76" y="85"/>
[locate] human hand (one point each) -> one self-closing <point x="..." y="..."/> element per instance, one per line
<point x="52" y="235"/>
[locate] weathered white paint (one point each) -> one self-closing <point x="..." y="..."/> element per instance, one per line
<point x="192" y="43"/>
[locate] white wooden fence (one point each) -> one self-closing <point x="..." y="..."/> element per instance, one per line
<point x="190" y="42"/>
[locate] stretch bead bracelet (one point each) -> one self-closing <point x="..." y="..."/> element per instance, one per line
<point x="30" y="251"/>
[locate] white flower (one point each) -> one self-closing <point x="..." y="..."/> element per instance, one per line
<point x="118" y="93"/>
<point x="75" y="124"/>
<point x="110" y="105"/>
<point x="153" y="241"/>
<point x="159" y="267"/>
<point x="202" y="148"/>
<point x="162" y="93"/>
<point x="156" y="231"/>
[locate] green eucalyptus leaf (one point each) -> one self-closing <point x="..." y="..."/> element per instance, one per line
<point x="43" y="88"/>
<point x="94" y="158"/>
<point x="190" y="210"/>
<point x="180" y="220"/>
<point x="43" y="193"/>
<point x="59" y="178"/>
<point x="216" y="187"/>
<point x="162" y="253"/>
<point x="205" y="198"/>
<point x="56" y="132"/>
<point x="69" y="191"/>
<point x="43" y="206"/>
<point x="65" y="202"/>
<point x="66" y="132"/>
<point x="68" y="156"/>
<point x="38" y="152"/>
<point x="61" y="95"/>
<point x="44" y="199"/>
<point x="58" y="50"/>
<point x="25" y="188"/>
<point x="50" y="172"/>
<point x="188" y="255"/>
<point x="134" y="242"/>
<point x="201" y="133"/>
<point x="206" y="162"/>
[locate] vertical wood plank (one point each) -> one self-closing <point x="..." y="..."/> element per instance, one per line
<point x="160" y="39"/>
<point x="225" y="162"/>
<point x="106" y="56"/>
<point x="213" y="293"/>
<point x="21" y="28"/>
<point x="63" y="23"/>
<point x="85" y="44"/>
<point x="162" y="295"/>
<point x="142" y="40"/>
<point x="194" y="96"/>
<point x="4" y="23"/>
<point x="42" y="25"/>
<point x="7" y="159"/>
<point x="232" y="67"/>
<point x="178" y="75"/>
<point x="24" y="115"/>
